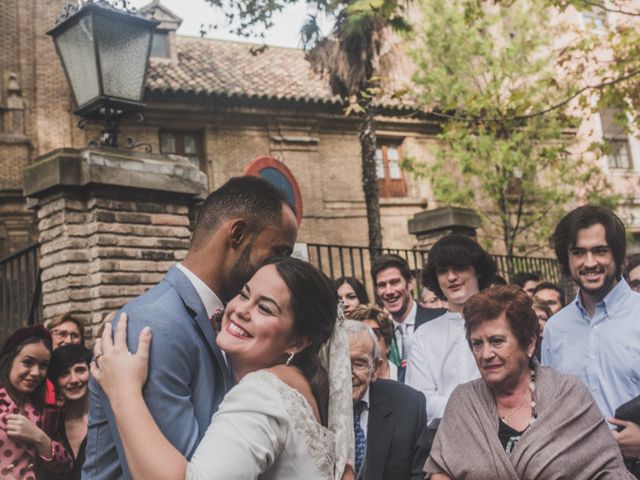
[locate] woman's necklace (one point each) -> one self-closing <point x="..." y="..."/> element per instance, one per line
<point x="533" y="396"/>
<point x="505" y="418"/>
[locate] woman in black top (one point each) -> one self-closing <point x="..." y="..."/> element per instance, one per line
<point x="69" y="373"/>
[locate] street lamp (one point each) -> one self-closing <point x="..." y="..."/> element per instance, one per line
<point x="104" y="53"/>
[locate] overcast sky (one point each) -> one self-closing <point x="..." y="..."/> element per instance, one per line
<point x="284" y="33"/>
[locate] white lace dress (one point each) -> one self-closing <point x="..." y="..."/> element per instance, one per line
<point x="264" y="429"/>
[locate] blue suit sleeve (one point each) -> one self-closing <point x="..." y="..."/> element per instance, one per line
<point x="167" y="393"/>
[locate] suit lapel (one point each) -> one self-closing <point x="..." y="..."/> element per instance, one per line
<point x="379" y="433"/>
<point x="196" y="309"/>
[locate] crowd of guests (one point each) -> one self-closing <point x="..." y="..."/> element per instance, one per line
<point x="243" y="367"/>
<point x="44" y="377"/>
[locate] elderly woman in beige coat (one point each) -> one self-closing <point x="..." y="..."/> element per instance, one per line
<point x="520" y="421"/>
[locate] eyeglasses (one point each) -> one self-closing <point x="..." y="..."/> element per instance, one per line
<point x="64" y="334"/>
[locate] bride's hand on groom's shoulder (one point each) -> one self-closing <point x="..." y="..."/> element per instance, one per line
<point x="119" y="372"/>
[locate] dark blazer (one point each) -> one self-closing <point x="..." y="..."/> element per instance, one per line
<point x="188" y="376"/>
<point x="423" y="315"/>
<point x="396" y="433"/>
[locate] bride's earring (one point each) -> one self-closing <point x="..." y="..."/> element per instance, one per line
<point x="289" y="359"/>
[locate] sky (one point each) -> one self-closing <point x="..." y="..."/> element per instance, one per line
<point x="284" y="33"/>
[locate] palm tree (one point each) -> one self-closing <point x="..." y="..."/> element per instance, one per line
<point x="359" y="57"/>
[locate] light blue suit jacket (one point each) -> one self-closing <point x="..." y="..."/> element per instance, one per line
<point x="188" y="376"/>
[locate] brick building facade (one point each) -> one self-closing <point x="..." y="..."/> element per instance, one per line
<point x="223" y="106"/>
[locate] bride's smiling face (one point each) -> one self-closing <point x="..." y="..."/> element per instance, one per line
<point x="258" y="322"/>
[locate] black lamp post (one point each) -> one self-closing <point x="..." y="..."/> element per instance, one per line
<point x="104" y="53"/>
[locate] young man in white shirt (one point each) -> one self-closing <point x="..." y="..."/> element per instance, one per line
<point x="440" y="359"/>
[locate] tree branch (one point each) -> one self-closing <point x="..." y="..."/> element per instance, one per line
<point x="556" y="106"/>
<point x="608" y="9"/>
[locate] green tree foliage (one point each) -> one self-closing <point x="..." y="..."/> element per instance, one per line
<point x="356" y="57"/>
<point x="487" y="70"/>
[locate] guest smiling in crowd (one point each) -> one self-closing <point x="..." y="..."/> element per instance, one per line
<point x="388" y="417"/>
<point x="69" y="372"/>
<point x="351" y="293"/>
<point x="597" y="336"/>
<point x="457" y="268"/>
<point x="393" y="282"/>
<point x="65" y="328"/>
<point x="27" y="451"/>
<point x="378" y="320"/>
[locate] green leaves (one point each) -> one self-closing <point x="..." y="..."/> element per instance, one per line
<point x="488" y="67"/>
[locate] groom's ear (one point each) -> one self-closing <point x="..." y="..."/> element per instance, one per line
<point x="237" y="232"/>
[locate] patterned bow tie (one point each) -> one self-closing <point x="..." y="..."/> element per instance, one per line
<point x="216" y="319"/>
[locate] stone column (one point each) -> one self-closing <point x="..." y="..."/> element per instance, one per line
<point x="111" y="222"/>
<point x="430" y="225"/>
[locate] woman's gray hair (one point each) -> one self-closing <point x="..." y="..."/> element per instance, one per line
<point x="356" y="328"/>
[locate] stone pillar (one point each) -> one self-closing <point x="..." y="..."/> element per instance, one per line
<point x="111" y="223"/>
<point x="431" y="225"/>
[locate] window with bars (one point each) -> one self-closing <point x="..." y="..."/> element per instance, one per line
<point x="614" y="136"/>
<point x="187" y="144"/>
<point x="390" y="176"/>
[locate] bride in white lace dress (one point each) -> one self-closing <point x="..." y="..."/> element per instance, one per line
<point x="288" y="417"/>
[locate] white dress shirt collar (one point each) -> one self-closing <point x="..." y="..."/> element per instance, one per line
<point x="410" y="321"/>
<point x="209" y="299"/>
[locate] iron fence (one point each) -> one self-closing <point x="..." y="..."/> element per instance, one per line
<point x="351" y="261"/>
<point x="20" y="290"/>
<point x="20" y="287"/>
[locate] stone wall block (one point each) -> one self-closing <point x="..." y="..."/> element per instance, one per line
<point x="137" y="206"/>
<point x="69" y="282"/>
<point x="111" y="224"/>
<point x="64" y="270"/>
<point x="166" y="219"/>
<point x="64" y="256"/>
<point x="63" y="244"/>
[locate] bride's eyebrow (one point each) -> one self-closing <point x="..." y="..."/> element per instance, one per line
<point x="271" y="300"/>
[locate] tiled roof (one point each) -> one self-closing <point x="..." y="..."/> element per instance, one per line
<point x="218" y="67"/>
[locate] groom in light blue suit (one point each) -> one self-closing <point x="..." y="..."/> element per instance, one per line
<point x="241" y="224"/>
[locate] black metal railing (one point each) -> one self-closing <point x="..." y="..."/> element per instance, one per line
<point x="21" y="296"/>
<point x="20" y="290"/>
<point x="351" y="261"/>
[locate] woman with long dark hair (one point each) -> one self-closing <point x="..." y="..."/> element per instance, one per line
<point x="26" y="451"/>
<point x="279" y="421"/>
<point x="351" y="293"/>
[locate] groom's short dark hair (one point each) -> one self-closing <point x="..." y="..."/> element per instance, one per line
<point x="251" y="198"/>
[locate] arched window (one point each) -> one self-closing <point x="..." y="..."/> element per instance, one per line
<point x="277" y="173"/>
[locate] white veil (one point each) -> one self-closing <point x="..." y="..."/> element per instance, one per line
<point x="334" y="356"/>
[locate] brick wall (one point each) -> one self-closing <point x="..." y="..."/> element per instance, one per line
<point x="98" y="253"/>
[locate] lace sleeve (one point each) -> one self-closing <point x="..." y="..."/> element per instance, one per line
<point x="335" y="358"/>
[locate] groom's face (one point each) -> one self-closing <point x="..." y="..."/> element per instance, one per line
<point x="272" y="241"/>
